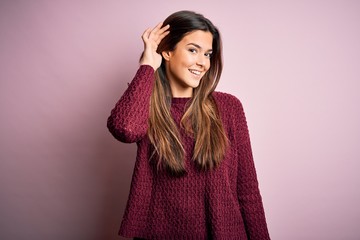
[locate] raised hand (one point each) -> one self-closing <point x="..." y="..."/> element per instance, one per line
<point x="151" y="38"/>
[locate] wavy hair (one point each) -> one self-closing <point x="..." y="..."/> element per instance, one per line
<point x="201" y="119"/>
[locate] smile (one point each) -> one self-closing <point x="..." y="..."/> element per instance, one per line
<point x="196" y="72"/>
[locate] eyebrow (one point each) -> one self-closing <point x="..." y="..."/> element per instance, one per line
<point x="198" y="46"/>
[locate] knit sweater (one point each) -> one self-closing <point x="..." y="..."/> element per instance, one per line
<point x="223" y="203"/>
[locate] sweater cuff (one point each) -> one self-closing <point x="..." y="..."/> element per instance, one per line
<point x="146" y="69"/>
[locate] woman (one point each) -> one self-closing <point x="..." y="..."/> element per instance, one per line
<point x="194" y="175"/>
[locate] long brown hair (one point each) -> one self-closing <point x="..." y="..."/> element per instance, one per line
<point x="201" y="119"/>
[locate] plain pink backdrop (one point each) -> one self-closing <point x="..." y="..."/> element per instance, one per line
<point x="64" y="64"/>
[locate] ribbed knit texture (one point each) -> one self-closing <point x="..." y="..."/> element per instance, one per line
<point x="223" y="203"/>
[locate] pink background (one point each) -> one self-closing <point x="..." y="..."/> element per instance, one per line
<point x="64" y="64"/>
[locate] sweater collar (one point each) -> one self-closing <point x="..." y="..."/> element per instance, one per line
<point x="180" y="100"/>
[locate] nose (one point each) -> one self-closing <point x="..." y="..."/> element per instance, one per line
<point x="201" y="60"/>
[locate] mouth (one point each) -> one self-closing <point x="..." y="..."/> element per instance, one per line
<point x="195" y="72"/>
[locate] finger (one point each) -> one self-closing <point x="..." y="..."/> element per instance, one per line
<point x="164" y="29"/>
<point x="159" y="29"/>
<point x="159" y="25"/>
<point x="161" y="37"/>
<point x="146" y="34"/>
<point x="156" y="28"/>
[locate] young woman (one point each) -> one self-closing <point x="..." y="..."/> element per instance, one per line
<point x="194" y="175"/>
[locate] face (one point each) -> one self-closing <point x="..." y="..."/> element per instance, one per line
<point x="187" y="64"/>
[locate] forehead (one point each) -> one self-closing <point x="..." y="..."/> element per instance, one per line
<point x="202" y="38"/>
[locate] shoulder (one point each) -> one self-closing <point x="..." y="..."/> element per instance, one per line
<point x="226" y="101"/>
<point x="232" y="114"/>
<point x="229" y="106"/>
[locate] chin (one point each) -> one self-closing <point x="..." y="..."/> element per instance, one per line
<point x="195" y="84"/>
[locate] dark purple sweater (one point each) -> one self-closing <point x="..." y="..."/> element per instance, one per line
<point x="223" y="203"/>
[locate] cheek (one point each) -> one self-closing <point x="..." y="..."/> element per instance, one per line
<point x="188" y="59"/>
<point x="208" y="65"/>
<point x="180" y="60"/>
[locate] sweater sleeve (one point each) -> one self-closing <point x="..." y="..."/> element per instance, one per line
<point x="247" y="185"/>
<point x="128" y="120"/>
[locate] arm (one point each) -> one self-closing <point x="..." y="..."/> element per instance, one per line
<point x="128" y="121"/>
<point x="247" y="188"/>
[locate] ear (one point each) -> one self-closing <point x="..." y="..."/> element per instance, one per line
<point x="166" y="55"/>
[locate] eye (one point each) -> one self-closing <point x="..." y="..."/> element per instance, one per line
<point x="192" y="50"/>
<point x="208" y="55"/>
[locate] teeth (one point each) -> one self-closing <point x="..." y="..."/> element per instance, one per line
<point x="196" y="72"/>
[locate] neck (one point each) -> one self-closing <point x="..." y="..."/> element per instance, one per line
<point x="185" y="93"/>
